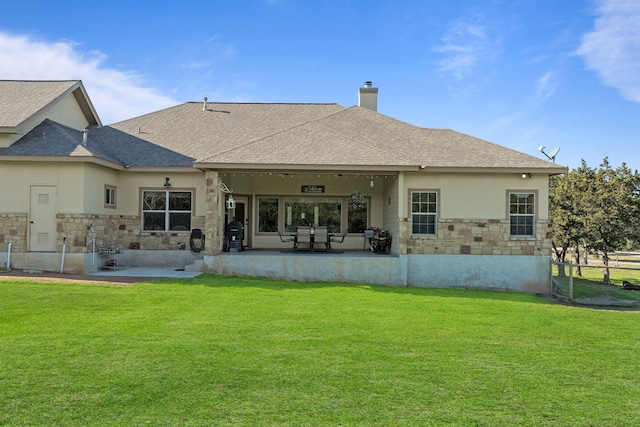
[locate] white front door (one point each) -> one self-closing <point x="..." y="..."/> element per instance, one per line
<point x="42" y="218"/>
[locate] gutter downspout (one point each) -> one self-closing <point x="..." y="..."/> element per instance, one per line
<point x="9" y="256"/>
<point x="64" y="249"/>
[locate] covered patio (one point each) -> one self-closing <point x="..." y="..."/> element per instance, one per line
<point x="273" y="207"/>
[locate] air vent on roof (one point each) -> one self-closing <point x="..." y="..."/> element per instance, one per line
<point x="204" y="106"/>
<point x="85" y="134"/>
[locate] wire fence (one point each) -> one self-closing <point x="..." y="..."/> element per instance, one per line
<point x="571" y="280"/>
<point x="562" y="280"/>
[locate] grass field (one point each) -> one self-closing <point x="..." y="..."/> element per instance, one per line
<point x="221" y="351"/>
<point x="589" y="285"/>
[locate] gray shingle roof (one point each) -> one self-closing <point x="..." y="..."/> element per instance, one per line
<point x="53" y="139"/>
<point x="189" y="130"/>
<point x="321" y="135"/>
<point x="20" y="100"/>
<point x="250" y="135"/>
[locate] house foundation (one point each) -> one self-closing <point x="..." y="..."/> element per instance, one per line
<point x="529" y="274"/>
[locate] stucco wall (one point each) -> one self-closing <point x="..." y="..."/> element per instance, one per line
<point x="69" y="178"/>
<point x="476" y="195"/>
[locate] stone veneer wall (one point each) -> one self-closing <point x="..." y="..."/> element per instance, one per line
<point x="13" y="229"/>
<point x="487" y="237"/>
<point x="123" y="231"/>
<point x="214" y="234"/>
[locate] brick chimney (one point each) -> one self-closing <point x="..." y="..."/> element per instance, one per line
<point x="368" y="97"/>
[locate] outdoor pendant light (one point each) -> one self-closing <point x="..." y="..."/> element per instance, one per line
<point x="230" y="203"/>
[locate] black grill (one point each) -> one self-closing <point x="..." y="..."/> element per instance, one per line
<point x="233" y="236"/>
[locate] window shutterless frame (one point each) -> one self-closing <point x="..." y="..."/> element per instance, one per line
<point x="110" y="196"/>
<point x="424" y="207"/>
<point x="166" y="210"/>
<point x="522" y="209"/>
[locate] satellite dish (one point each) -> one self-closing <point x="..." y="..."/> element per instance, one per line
<point x="551" y="155"/>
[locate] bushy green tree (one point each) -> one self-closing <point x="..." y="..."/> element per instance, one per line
<point x="598" y="207"/>
<point x="566" y="211"/>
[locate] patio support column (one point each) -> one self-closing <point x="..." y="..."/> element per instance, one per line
<point x="213" y="216"/>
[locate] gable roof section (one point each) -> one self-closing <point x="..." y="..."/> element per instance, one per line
<point x="23" y="99"/>
<point x="50" y="139"/>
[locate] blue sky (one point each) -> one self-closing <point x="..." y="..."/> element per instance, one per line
<point x="558" y="73"/>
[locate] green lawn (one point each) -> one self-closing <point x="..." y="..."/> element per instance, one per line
<point x="220" y="351"/>
<point x="590" y="285"/>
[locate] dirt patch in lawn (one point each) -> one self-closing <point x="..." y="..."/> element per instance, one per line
<point x="49" y="276"/>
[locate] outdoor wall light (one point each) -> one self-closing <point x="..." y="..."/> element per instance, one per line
<point x="526" y="175"/>
<point x="230" y="203"/>
<point x="371" y="184"/>
<point x="166" y="182"/>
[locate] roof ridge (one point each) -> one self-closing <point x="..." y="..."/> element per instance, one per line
<point x="262" y="103"/>
<point x="96" y="149"/>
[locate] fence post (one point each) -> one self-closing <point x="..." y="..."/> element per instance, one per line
<point x="570" y="281"/>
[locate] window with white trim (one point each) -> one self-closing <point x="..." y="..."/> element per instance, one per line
<point x="165" y="210"/>
<point x="109" y="196"/>
<point x="424" y="212"/>
<point x="522" y="214"/>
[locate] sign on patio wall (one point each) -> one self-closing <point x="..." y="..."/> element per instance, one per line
<point x="313" y="189"/>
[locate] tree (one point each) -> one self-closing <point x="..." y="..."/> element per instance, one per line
<point x="598" y="207"/>
<point x="566" y="211"/>
<point x="611" y="214"/>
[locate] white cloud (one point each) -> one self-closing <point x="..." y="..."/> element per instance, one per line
<point x="464" y="45"/>
<point x="545" y="87"/>
<point x="116" y="95"/>
<point x="612" y="48"/>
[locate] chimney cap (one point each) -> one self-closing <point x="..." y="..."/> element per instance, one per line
<point x="368" y="84"/>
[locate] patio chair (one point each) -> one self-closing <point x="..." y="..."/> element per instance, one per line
<point x="338" y="239"/>
<point x="284" y="239"/>
<point x="321" y="236"/>
<point x="304" y="236"/>
<point x="368" y="235"/>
